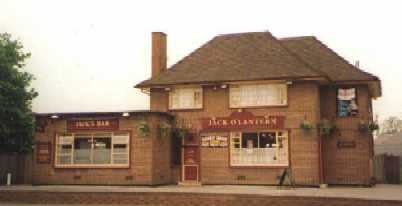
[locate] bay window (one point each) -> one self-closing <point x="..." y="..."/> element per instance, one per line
<point x="268" y="148"/>
<point x="252" y="95"/>
<point x="92" y="149"/>
<point x="185" y="98"/>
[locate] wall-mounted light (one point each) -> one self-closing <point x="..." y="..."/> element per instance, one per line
<point x="167" y="89"/>
<point x="54" y="116"/>
<point x="224" y="86"/>
<point x="125" y="114"/>
<point x="289" y="82"/>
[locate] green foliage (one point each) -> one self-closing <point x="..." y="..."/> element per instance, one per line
<point x="164" y="129"/>
<point x="180" y="132"/>
<point x="305" y="125"/>
<point x="16" y="119"/>
<point x="143" y="129"/>
<point x="369" y="127"/>
<point x="327" y="128"/>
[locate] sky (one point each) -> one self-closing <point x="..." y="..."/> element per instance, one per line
<point x="88" y="55"/>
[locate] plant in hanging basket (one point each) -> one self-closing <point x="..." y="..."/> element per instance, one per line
<point x="305" y="126"/>
<point x="143" y="129"/>
<point x="368" y="127"/>
<point x="327" y="128"/>
<point x="164" y="129"/>
<point x="180" y="132"/>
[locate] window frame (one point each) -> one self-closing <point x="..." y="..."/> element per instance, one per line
<point x="281" y="166"/>
<point x="194" y="107"/>
<point x="232" y="106"/>
<point x="337" y="103"/>
<point x="91" y="166"/>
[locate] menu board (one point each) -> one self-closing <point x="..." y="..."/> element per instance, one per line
<point x="214" y="141"/>
<point x="43" y="152"/>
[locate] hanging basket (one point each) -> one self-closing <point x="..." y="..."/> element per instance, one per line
<point x="143" y="129"/>
<point x="305" y="127"/>
<point x="368" y="127"/>
<point x="180" y="132"/>
<point x="327" y="128"/>
<point x="164" y="129"/>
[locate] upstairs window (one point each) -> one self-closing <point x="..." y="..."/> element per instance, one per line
<point x="185" y="98"/>
<point x="255" y="95"/>
<point x="346" y="102"/>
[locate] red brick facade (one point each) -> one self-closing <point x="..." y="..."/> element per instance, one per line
<point x="149" y="156"/>
<point x="306" y="101"/>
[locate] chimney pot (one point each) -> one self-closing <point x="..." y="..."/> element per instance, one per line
<point x="159" y="53"/>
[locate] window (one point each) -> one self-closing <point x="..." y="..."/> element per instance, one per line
<point x="259" y="148"/>
<point x="185" y="98"/>
<point x="250" y="95"/>
<point x="92" y="149"/>
<point x="346" y="102"/>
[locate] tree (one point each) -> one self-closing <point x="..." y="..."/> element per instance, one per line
<point x="16" y="118"/>
<point x="392" y="125"/>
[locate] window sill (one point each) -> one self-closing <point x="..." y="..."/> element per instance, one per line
<point x="259" y="166"/>
<point x="260" y="107"/>
<point x="186" y="110"/>
<point x="92" y="166"/>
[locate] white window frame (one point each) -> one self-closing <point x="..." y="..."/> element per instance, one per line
<point x="116" y="139"/>
<point x="238" y="135"/>
<point x="178" y="98"/>
<point x="258" y="95"/>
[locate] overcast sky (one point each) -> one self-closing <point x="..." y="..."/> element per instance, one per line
<point x="87" y="55"/>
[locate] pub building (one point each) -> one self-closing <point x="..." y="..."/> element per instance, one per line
<point x="241" y="109"/>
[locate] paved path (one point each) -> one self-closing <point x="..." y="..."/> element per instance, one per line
<point x="379" y="192"/>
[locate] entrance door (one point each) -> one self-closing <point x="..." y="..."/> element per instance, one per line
<point x="191" y="159"/>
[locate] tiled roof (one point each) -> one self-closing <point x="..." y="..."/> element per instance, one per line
<point x="321" y="57"/>
<point x="258" y="56"/>
<point x="235" y="57"/>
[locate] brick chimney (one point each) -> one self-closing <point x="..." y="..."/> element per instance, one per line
<point x="159" y="53"/>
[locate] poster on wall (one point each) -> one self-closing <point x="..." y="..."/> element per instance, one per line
<point x="214" y="141"/>
<point x="43" y="152"/>
<point x="346" y="102"/>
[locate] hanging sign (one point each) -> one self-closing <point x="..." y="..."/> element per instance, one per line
<point x="101" y="124"/>
<point x="43" y="152"/>
<point x="243" y="120"/>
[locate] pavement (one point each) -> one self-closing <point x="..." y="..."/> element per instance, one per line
<point x="378" y="192"/>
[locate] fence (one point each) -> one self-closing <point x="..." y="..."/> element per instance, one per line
<point x="387" y="169"/>
<point x="19" y="165"/>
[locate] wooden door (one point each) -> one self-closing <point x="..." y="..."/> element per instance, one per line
<point x="191" y="159"/>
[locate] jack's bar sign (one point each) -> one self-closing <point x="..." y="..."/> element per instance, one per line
<point x="243" y="120"/>
<point x="101" y="124"/>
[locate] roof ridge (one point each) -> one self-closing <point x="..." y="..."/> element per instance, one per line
<point x="295" y="38"/>
<point x="242" y="33"/>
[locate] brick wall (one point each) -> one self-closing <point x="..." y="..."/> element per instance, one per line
<point x="149" y="159"/>
<point x="347" y="165"/>
<point x="303" y="101"/>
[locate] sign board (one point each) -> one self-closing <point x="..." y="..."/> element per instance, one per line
<point x="243" y="120"/>
<point x="346" y="144"/>
<point x="100" y="124"/>
<point x="214" y="141"/>
<point x="43" y="152"/>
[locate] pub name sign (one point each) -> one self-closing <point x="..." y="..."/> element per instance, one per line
<point x="243" y="120"/>
<point x="101" y="124"/>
